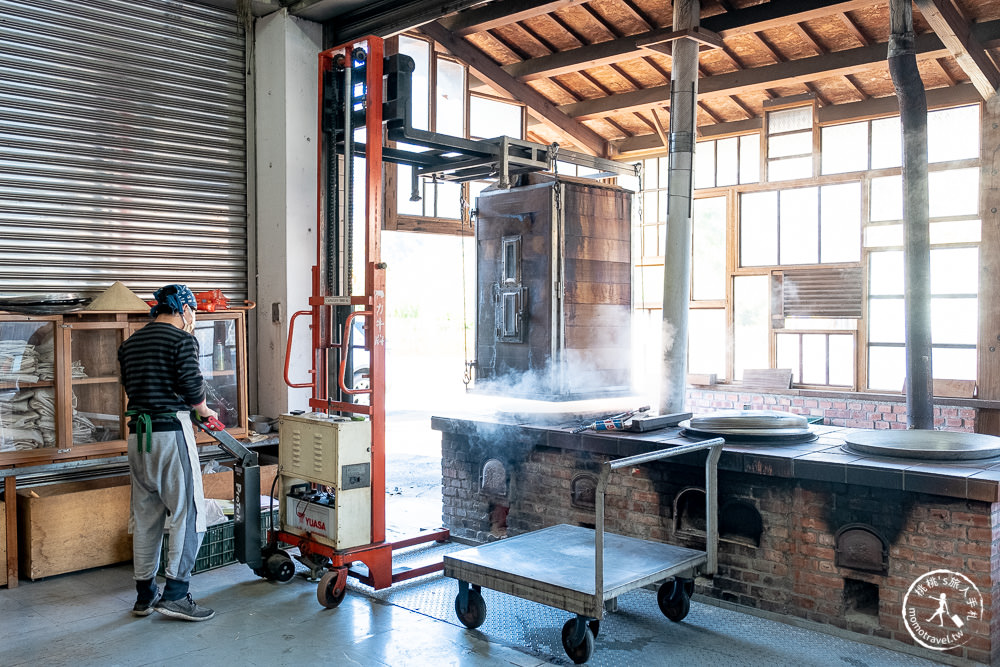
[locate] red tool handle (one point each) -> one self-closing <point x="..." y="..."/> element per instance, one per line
<point x="210" y="423"/>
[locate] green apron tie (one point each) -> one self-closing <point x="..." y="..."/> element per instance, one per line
<point x="144" y="426"/>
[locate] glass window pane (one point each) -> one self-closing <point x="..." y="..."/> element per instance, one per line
<point x="704" y="164"/>
<point x="953" y="134"/>
<point x="841" y="360"/>
<point x="954" y="321"/>
<point x="886" y="321"/>
<point x="788" y="120"/>
<point x="953" y="192"/>
<point x="649" y="286"/>
<point x="493" y="118"/>
<point x="708" y="276"/>
<point x="887" y="198"/>
<point x="886" y="368"/>
<point x="954" y="271"/>
<point x="799" y="227"/>
<point x="817" y="323"/>
<point x="787" y="353"/>
<point x="887" y="143"/>
<point x="419" y="50"/>
<point x="844" y="148"/>
<point x="787" y="145"/>
<point x="956" y="231"/>
<point x="707" y="341"/>
<point x="788" y="169"/>
<point x="449" y="200"/>
<point x="814" y="359"/>
<point x="727" y="163"/>
<point x="664" y="172"/>
<point x="954" y="364"/>
<point x="885" y="270"/>
<point x="840" y="223"/>
<point x="649" y="173"/>
<point x="403" y="203"/>
<point x="759" y="229"/>
<point x="450" y="116"/>
<point x="650" y="211"/>
<point x="882" y="236"/>
<point x="750" y="158"/>
<point x="751" y="319"/>
<point x="649" y="239"/>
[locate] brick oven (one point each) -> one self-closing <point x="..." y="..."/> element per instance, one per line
<point x="810" y="532"/>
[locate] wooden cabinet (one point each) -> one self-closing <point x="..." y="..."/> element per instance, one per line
<point x="60" y="393"/>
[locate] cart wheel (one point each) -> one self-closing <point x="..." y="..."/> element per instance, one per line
<point x="280" y="567"/>
<point x="326" y="593"/>
<point x="674" y="599"/>
<point x="595" y="627"/>
<point x="475" y="614"/>
<point x="580" y="653"/>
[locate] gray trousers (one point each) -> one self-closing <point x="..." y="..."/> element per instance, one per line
<point x="167" y="494"/>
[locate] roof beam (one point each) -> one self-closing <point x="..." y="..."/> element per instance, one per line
<point x="752" y="19"/>
<point x="957" y="36"/>
<point x="585" y="138"/>
<point x="496" y="14"/>
<point x="793" y="72"/>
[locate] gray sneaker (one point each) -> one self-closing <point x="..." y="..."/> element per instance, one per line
<point x="146" y="608"/>
<point x="185" y="608"/>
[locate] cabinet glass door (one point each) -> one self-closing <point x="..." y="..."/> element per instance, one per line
<point x="97" y="396"/>
<point x="27" y="386"/>
<point x="217" y="342"/>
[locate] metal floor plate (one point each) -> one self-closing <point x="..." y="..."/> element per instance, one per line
<point x="637" y="634"/>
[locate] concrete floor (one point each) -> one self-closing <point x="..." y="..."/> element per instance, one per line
<point x="84" y="619"/>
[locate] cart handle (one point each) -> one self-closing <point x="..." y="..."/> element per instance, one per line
<point x="288" y="353"/>
<point x="711" y="506"/>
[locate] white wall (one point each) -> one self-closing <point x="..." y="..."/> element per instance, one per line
<point x="285" y="63"/>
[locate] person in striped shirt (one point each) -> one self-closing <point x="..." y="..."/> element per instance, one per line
<point x="163" y="381"/>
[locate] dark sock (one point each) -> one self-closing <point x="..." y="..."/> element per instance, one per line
<point x="175" y="589"/>
<point x="146" y="588"/>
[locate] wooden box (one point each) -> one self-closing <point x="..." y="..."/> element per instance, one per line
<point x="75" y="526"/>
<point x="554" y="301"/>
<point x="3" y="544"/>
<point x="220" y="484"/>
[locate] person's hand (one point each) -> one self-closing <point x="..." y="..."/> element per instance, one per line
<point x="204" y="411"/>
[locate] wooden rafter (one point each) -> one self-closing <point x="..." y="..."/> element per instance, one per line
<point x="806" y="37"/>
<point x="968" y="51"/>
<point x="708" y="112"/>
<point x="496" y="14"/>
<point x="735" y="99"/>
<point x="752" y="19"/>
<point x="660" y="127"/>
<point x="942" y="71"/>
<point x="853" y="29"/>
<point x="854" y="86"/>
<point x="794" y="72"/>
<point x="484" y="67"/>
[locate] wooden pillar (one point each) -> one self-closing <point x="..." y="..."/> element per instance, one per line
<point x="988" y="421"/>
<point x="916" y="225"/>
<point x="677" y="255"/>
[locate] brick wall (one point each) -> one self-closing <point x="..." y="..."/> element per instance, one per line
<point x="791" y="572"/>
<point x="852" y="413"/>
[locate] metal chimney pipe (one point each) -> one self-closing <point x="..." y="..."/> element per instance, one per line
<point x="916" y="226"/>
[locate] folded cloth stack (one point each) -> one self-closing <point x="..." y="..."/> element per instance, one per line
<point x="18" y="361"/>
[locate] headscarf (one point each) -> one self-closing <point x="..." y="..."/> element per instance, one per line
<point x="172" y="299"/>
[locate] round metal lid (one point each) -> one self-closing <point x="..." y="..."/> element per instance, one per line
<point x="920" y="444"/>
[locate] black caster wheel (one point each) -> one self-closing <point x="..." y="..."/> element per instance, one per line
<point x="475" y="615"/>
<point x="580" y="653"/>
<point x="280" y="567"/>
<point x="595" y="627"/>
<point x="325" y="591"/>
<point x="674" y="599"/>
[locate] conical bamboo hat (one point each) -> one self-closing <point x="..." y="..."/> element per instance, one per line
<point x="118" y="297"/>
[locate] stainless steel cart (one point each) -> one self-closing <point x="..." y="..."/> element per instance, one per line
<point x="564" y="566"/>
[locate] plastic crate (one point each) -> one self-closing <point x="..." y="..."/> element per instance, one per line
<point x="218" y="547"/>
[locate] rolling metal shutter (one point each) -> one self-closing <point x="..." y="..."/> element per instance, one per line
<point x="122" y="147"/>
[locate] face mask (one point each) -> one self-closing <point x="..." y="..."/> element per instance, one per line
<point x="188" y="324"/>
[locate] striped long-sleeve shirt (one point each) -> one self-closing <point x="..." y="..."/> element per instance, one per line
<point x="160" y="371"/>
